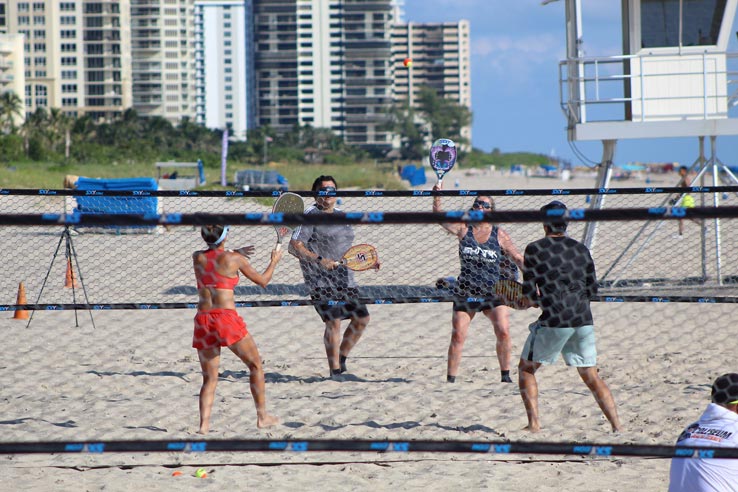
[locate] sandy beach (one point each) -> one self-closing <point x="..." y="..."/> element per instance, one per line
<point x="135" y="376"/>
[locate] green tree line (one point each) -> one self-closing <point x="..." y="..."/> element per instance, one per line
<point x="52" y="136"/>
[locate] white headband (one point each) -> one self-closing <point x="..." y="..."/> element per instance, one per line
<point x="222" y="235"/>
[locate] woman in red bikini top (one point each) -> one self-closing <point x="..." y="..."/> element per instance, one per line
<point x="217" y="324"/>
<point x="216" y="269"/>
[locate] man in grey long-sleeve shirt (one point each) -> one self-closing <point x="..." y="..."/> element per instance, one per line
<point x="332" y="286"/>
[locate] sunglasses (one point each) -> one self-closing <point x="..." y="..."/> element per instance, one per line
<point x="327" y="189"/>
<point x="481" y="204"/>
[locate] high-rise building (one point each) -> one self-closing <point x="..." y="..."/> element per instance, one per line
<point x="76" y="54"/>
<point x="398" y="11"/>
<point x="224" y="65"/>
<point x="438" y="56"/>
<point x="163" y="58"/>
<point x="12" y="76"/>
<point x="327" y="64"/>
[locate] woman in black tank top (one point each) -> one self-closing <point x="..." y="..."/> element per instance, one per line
<point x="482" y="248"/>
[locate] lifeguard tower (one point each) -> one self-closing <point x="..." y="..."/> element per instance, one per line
<point x="675" y="78"/>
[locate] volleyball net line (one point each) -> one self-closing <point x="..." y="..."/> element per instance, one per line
<point x="650" y="190"/>
<point x="366" y="218"/>
<point x="143" y="306"/>
<point x="360" y="445"/>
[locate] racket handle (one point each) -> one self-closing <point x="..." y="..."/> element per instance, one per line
<point x="279" y="246"/>
<point x="439" y="183"/>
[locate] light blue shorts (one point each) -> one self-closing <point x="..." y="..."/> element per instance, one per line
<point x="577" y="345"/>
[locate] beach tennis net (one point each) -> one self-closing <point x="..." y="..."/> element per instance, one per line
<point x="145" y="262"/>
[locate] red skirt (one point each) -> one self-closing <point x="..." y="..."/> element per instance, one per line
<point x="218" y="328"/>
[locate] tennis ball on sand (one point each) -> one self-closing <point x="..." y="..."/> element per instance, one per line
<point x="201" y="473"/>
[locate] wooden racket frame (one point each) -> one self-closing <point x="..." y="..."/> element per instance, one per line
<point x="511" y="293"/>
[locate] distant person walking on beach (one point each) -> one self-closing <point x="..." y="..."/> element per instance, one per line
<point x="716" y="427"/>
<point x="559" y="277"/>
<point x="482" y="249"/>
<point x="217" y="324"/>
<point x="319" y="249"/>
<point x="685" y="181"/>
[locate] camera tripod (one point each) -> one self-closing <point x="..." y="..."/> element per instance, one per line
<point x="69" y="253"/>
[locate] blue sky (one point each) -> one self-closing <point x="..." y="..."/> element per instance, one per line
<point x="516" y="46"/>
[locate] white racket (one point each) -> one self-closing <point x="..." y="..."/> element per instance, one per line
<point x="442" y="158"/>
<point x="287" y="203"/>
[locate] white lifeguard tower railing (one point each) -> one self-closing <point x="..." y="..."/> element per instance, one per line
<point x="675" y="78"/>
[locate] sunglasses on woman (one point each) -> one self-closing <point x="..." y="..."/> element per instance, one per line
<point x="327" y="189"/>
<point x="481" y="204"/>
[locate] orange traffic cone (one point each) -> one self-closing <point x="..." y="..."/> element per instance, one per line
<point x="71" y="278"/>
<point x="21" y="313"/>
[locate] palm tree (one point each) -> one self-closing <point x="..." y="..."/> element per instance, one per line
<point x="11" y="109"/>
<point x="60" y="127"/>
<point x="35" y="129"/>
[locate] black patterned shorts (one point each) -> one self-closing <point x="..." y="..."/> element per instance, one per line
<point x="475" y="303"/>
<point x="334" y="304"/>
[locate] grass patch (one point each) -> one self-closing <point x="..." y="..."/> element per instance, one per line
<point x="360" y="175"/>
<point x="34" y="175"/>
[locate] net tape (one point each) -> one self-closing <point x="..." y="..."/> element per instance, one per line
<point x="270" y="218"/>
<point x="381" y="446"/>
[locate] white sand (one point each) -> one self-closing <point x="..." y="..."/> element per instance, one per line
<point x="136" y="377"/>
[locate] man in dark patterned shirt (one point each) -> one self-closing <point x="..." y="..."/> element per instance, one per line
<point x="559" y="277"/>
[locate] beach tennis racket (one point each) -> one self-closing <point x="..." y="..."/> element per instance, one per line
<point x="511" y="293"/>
<point x="442" y="157"/>
<point x="360" y="257"/>
<point x="287" y="203"/>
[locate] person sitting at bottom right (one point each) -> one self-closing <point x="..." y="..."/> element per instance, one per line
<point x="717" y="427"/>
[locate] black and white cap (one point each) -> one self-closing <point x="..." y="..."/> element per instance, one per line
<point x="725" y="389"/>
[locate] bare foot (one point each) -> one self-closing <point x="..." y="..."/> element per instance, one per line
<point x="532" y="428"/>
<point x="266" y="421"/>
<point x="203" y="430"/>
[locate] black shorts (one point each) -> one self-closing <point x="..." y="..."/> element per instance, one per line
<point x="476" y="304"/>
<point x="331" y="304"/>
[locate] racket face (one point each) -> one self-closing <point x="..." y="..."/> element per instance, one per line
<point x="511" y="293"/>
<point x="287" y="203"/>
<point x="360" y="257"/>
<point x="442" y="156"/>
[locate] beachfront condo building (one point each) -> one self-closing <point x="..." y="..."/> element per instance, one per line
<point x="163" y="58"/>
<point x="224" y="69"/>
<point x="235" y="64"/>
<point x="327" y="64"/>
<point x="76" y="54"/>
<point x="12" y="75"/>
<point x="436" y="56"/>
